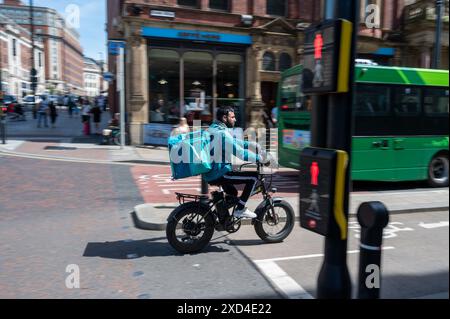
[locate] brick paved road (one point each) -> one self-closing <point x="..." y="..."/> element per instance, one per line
<point x="53" y="214"/>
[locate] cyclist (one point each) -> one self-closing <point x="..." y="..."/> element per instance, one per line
<point x="222" y="173"/>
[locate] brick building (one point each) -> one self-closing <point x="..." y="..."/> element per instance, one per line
<point x="404" y="34"/>
<point x="15" y="59"/>
<point x="63" y="52"/>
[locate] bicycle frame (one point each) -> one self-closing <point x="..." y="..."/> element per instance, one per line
<point x="261" y="189"/>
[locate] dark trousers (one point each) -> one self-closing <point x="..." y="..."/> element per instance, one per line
<point x="227" y="182"/>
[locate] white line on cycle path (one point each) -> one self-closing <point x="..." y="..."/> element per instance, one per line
<point x="288" y="287"/>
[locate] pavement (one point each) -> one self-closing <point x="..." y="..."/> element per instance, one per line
<point x="152" y="215"/>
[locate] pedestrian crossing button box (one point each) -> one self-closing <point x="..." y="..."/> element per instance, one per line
<point x="321" y="190"/>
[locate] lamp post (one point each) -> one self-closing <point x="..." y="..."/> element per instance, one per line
<point x="437" y="48"/>
<point x="33" y="72"/>
<point x="102" y="68"/>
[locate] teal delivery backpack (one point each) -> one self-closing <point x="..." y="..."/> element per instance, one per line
<point x="190" y="154"/>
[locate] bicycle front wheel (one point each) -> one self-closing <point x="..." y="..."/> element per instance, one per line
<point x="275" y="226"/>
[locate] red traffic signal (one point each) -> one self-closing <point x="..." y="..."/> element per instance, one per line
<point x="318" y="46"/>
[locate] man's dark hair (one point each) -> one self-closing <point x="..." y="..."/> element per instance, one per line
<point x="223" y="111"/>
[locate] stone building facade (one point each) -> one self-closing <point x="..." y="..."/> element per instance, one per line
<point x="188" y="57"/>
<point x="63" y="53"/>
<point x="15" y="59"/>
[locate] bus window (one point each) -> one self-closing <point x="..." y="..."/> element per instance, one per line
<point x="372" y="100"/>
<point x="436" y="102"/>
<point x="406" y="101"/>
<point x="291" y="97"/>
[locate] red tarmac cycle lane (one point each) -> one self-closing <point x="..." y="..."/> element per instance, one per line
<point x="156" y="185"/>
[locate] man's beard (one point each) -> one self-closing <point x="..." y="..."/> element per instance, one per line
<point x="228" y="124"/>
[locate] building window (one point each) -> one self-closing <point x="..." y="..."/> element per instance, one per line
<point x="189" y="3"/>
<point x="40" y="59"/>
<point x="269" y="61"/>
<point x="285" y="62"/>
<point x="276" y="7"/>
<point x="223" y="5"/>
<point x="14" y="47"/>
<point x="164" y="68"/>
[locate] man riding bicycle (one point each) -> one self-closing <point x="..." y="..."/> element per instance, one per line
<point x="222" y="173"/>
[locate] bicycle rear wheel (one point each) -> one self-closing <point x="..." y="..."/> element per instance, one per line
<point x="190" y="228"/>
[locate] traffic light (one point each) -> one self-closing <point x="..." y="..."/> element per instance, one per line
<point x="322" y="182"/>
<point x="326" y="57"/>
<point x="33" y="79"/>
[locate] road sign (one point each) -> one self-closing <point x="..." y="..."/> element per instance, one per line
<point x="322" y="176"/>
<point x="114" y="47"/>
<point x="108" y="76"/>
<point x="326" y="57"/>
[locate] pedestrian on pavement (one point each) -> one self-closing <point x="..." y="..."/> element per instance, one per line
<point x="86" y="117"/>
<point x="182" y="127"/>
<point x="96" y="113"/>
<point x="53" y="113"/>
<point x="71" y="106"/>
<point x="42" y="111"/>
<point x="274" y="116"/>
<point x="101" y="103"/>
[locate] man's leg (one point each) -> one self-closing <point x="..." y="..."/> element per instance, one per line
<point x="39" y="120"/>
<point x="249" y="179"/>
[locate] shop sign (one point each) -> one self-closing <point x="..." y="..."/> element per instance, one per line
<point x="157" y="134"/>
<point x="163" y="14"/>
<point x="196" y="35"/>
<point x="115" y="46"/>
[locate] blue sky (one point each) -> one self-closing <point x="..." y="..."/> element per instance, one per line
<point x="92" y="22"/>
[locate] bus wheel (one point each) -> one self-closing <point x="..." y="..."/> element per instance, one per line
<point x="438" y="171"/>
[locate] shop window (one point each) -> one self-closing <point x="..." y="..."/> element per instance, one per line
<point x="223" y="5"/>
<point x="276" y="7"/>
<point x="269" y="61"/>
<point x="285" y="62"/>
<point x="228" y="84"/>
<point x="164" y="73"/>
<point x="198" y="86"/>
<point x="189" y="3"/>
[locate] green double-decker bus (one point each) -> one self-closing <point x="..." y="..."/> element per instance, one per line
<point x="401" y="123"/>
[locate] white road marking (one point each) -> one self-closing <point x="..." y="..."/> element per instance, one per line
<point x="288" y="287"/>
<point x="433" y="225"/>
<point x="285" y="284"/>
<point x="390" y="231"/>
<point x="312" y="256"/>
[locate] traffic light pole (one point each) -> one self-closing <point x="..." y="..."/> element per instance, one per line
<point x="334" y="279"/>
<point x="33" y="72"/>
<point x="437" y="48"/>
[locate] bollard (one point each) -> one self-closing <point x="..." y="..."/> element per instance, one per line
<point x="3" y="128"/>
<point x="373" y="218"/>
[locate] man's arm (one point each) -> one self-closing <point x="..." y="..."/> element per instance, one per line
<point x="238" y="148"/>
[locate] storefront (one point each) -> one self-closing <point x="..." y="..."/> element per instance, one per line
<point x="192" y="73"/>
<point x="176" y="72"/>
